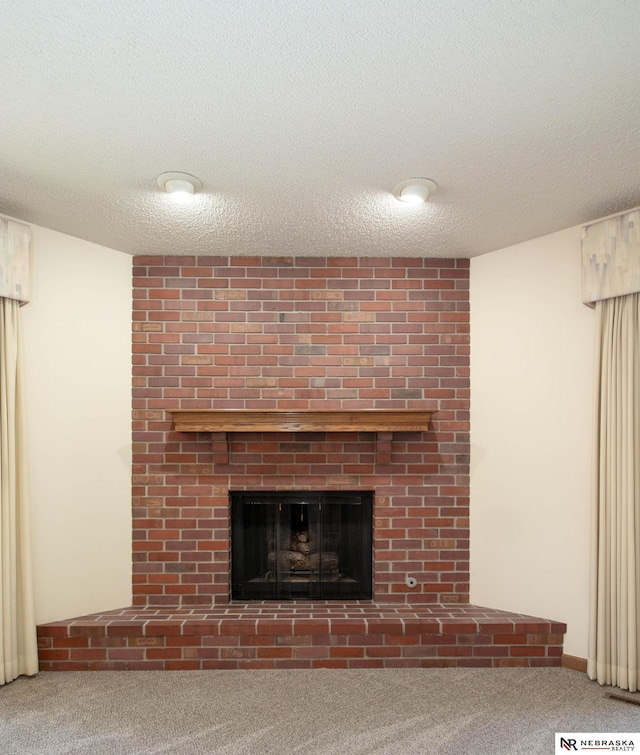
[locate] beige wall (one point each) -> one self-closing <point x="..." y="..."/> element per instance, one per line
<point x="78" y="386"/>
<point x="531" y="383"/>
<point x="532" y="344"/>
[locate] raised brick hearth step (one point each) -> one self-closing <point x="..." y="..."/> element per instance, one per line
<point x="301" y="635"/>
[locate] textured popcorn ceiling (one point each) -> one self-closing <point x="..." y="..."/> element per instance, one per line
<point x="299" y="117"/>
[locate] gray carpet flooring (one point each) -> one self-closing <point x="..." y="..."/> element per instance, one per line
<point x="321" y="712"/>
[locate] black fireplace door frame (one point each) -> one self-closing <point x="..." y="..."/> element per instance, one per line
<point x="336" y="563"/>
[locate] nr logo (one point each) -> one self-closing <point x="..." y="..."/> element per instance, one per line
<point x="568" y="744"/>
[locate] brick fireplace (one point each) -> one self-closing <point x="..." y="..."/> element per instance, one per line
<point x="298" y="335"/>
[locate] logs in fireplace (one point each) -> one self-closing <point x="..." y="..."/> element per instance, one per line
<point x="301" y="545"/>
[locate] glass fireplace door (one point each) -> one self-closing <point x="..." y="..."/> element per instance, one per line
<point x="301" y="545"/>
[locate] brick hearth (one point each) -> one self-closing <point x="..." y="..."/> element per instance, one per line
<point x="302" y="636"/>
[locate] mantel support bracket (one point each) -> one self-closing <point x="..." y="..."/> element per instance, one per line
<point x="383" y="447"/>
<point x="221" y="447"/>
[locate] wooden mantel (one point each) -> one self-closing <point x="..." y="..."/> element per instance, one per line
<point x="381" y="421"/>
<point x="304" y="420"/>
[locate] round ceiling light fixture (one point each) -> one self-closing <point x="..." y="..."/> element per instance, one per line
<point x="179" y="184"/>
<point x="415" y="190"/>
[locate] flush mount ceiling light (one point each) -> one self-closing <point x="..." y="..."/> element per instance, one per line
<point x="415" y="190"/>
<point x="179" y="184"/>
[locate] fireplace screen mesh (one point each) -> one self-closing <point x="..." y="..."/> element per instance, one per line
<point x="288" y="545"/>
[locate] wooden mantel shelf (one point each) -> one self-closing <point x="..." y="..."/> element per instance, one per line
<point x="305" y="421"/>
<point x="381" y="421"/>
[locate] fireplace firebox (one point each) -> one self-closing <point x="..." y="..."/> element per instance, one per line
<point x="301" y="545"/>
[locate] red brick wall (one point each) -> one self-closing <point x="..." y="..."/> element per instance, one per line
<point x="295" y="333"/>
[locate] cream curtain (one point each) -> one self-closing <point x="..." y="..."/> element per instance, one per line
<point x="614" y="644"/>
<point x="18" y="644"/>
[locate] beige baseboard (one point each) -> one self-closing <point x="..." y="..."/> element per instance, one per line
<point x="574" y="663"/>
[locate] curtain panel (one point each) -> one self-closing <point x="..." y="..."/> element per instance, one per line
<point x="614" y="644"/>
<point x="18" y="644"/>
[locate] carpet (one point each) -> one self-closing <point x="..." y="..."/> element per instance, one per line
<point x="319" y="712"/>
